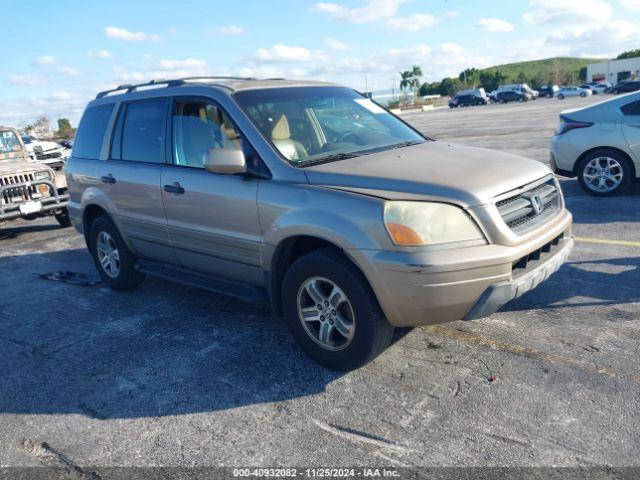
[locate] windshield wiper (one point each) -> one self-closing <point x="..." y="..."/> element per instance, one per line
<point x="329" y="158"/>
<point x="406" y="144"/>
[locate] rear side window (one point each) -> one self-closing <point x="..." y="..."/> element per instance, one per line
<point x="143" y="131"/>
<point x="91" y="131"/>
<point x="631" y="109"/>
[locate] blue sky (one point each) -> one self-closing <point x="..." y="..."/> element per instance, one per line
<point x="68" y="50"/>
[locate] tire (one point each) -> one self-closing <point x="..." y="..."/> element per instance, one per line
<point x="615" y="92"/>
<point x="324" y="270"/>
<point x="126" y="277"/>
<point x="586" y="167"/>
<point x="583" y="94"/>
<point x="549" y="95"/>
<point x="63" y="218"/>
<point x="560" y="97"/>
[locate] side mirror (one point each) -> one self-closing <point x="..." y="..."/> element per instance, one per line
<point x="225" y="161"/>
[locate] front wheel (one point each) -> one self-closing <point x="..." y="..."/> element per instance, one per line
<point x="583" y="94"/>
<point x="63" y="218"/>
<point x="615" y="92"/>
<point x="332" y="311"/>
<point x="605" y="173"/>
<point x="560" y="97"/>
<point x="113" y="260"/>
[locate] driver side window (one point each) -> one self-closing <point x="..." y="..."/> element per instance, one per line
<point x="199" y="127"/>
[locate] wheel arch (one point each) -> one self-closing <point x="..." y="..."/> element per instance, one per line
<point x="288" y="251"/>
<point x="586" y="153"/>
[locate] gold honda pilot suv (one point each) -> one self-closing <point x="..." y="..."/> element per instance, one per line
<point x="313" y="197"/>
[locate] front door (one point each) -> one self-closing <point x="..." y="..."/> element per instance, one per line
<point x="212" y="219"/>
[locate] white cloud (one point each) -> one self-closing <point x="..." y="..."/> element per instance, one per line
<point x="605" y="39"/>
<point x="451" y="14"/>
<point x="230" y="30"/>
<point x="101" y="54"/>
<point x="285" y="53"/>
<point x="181" y="64"/>
<point x="413" y="23"/>
<point x="70" y="72"/>
<point x="127" y="36"/>
<point x="46" y="60"/>
<point x="567" y="12"/>
<point x="631" y="4"/>
<point x="495" y="25"/>
<point x="370" y="12"/>
<point x="25" y="80"/>
<point x="336" y="45"/>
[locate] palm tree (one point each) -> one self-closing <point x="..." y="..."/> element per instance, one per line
<point x="405" y="80"/>
<point x="416" y="75"/>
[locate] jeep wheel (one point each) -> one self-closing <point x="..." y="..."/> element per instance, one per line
<point x="605" y="173"/>
<point x="63" y="218"/>
<point x="114" y="261"/>
<point x="332" y="311"/>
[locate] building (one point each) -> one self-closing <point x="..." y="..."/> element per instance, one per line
<point x="614" y="71"/>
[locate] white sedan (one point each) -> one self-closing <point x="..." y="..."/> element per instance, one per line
<point x="573" y="92"/>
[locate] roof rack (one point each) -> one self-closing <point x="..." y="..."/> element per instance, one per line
<point x="128" y="88"/>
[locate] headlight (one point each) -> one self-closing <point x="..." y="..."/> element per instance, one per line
<point x="42" y="176"/>
<point x="426" y="223"/>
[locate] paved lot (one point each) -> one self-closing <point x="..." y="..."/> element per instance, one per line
<point x="170" y="375"/>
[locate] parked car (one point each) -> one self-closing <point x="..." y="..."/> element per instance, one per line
<point x="45" y="152"/>
<point x="597" y="87"/>
<point x="521" y="88"/>
<point x="600" y="145"/>
<point x="466" y="101"/>
<point x="493" y="96"/>
<point x="506" y="96"/>
<point x="548" y="91"/>
<point x="626" y="87"/>
<point x="572" y="92"/>
<point x="28" y="190"/>
<point x="349" y="228"/>
<point x="66" y="143"/>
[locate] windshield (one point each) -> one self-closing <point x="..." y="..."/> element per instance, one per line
<point x="9" y="142"/>
<point x="315" y="124"/>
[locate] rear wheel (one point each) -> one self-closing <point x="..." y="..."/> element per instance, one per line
<point x="560" y="97"/>
<point x="605" y="173"/>
<point x="332" y="312"/>
<point x="583" y="94"/>
<point x="113" y="260"/>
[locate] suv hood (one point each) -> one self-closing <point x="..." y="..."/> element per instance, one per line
<point x="434" y="170"/>
<point x="14" y="166"/>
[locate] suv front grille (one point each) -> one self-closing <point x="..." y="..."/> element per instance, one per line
<point x="40" y="155"/>
<point x="530" y="208"/>
<point x="18" y="194"/>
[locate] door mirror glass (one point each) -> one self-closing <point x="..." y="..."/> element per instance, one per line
<point x="225" y="161"/>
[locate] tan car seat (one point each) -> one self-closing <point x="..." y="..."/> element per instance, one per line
<point x="281" y="138"/>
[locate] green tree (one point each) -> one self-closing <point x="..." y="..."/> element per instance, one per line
<point x="64" y="128"/>
<point x="405" y="80"/>
<point x="629" y="54"/>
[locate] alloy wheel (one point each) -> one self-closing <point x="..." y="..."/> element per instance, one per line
<point x="603" y="174"/>
<point x="326" y="313"/>
<point x="108" y="254"/>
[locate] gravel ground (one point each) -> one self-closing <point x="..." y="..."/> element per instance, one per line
<point x="174" y="376"/>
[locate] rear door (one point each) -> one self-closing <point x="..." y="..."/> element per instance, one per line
<point x="131" y="177"/>
<point x="212" y="219"/>
<point x="631" y="127"/>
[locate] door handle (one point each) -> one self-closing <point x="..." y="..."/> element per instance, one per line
<point x="108" y="179"/>
<point x="174" y="188"/>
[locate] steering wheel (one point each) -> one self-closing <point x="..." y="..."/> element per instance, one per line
<point x="346" y="135"/>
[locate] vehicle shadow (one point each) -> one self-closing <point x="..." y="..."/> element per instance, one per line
<point x="587" y="209"/>
<point x="585" y="283"/>
<point x="15" y="231"/>
<point x="163" y="349"/>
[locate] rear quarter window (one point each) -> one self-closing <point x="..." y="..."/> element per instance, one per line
<point x="91" y="131"/>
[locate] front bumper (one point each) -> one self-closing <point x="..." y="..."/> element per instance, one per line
<point x="11" y="210"/>
<point x="430" y="287"/>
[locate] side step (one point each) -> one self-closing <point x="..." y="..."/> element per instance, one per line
<point x="241" y="291"/>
